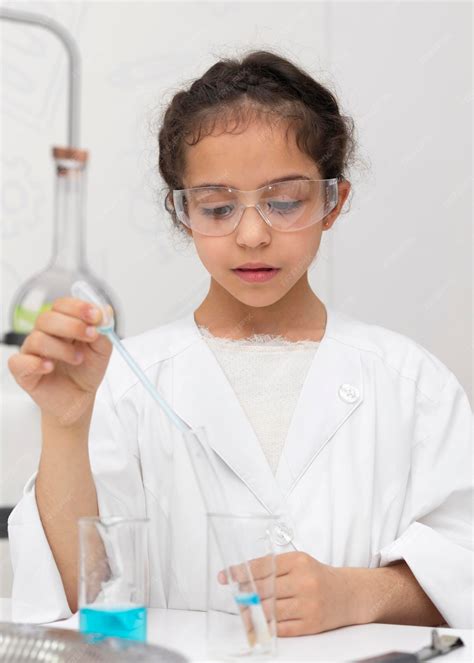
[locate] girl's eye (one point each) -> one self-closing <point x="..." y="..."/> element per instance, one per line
<point x="218" y="212"/>
<point x="285" y="206"/>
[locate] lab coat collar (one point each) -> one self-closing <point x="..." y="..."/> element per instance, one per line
<point x="331" y="392"/>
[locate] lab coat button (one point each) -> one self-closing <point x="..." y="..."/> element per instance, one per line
<point x="282" y="533"/>
<point x="348" y="393"/>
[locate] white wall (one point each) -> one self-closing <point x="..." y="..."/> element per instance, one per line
<point x="400" y="258"/>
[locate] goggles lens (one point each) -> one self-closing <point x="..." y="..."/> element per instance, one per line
<point x="285" y="206"/>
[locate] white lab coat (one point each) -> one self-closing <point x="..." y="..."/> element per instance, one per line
<point x="376" y="467"/>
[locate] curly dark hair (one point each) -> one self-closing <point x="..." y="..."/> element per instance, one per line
<point x="260" y="83"/>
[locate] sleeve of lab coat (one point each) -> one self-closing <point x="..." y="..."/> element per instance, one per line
<point x="38" y="594"/>
<point x="436" y="528"/>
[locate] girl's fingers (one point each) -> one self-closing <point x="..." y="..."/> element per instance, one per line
<point x="280" y="587"/>
<point x="77" y="308"/>
<point x="42" y="344"/>
<point x="264" y="587"/>
<point x="269" y="608"/>
<point x="265" y="581"/>
<point x="65" y="326"/>
<point x="267" y="589"/>
<point x="286" y="609"/>
<point x="291" y="628"/>
<point x="262" y="567"/>
<point x="282" y="609"/>
<point x="27" y="369"/>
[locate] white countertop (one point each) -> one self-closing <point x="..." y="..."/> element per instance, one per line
<point x="185" y="631"/>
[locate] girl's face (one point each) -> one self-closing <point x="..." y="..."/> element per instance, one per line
<point x="247" y="161"/>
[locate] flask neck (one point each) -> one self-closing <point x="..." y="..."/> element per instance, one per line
<point x="68" y="244"/>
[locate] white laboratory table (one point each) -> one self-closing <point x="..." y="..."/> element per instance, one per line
<point x="185" y="631"/>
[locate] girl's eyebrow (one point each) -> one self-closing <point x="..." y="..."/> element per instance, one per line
<point x="286" y="178"/>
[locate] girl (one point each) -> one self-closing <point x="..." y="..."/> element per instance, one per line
<point x="356" y="433"/>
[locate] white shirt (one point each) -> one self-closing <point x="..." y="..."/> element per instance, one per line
<point x="376" y="467"/>
<point x="266" y="373"/>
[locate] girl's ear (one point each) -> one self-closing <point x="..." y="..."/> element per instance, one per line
<point x="344" y="188"/>
<point x="168" y="204"/>
<point x="169" y="208"/>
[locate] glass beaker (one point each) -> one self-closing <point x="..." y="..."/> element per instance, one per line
<point x="68" y="262"/>
<point x="240" y="616"/>
<point x="113" y="577"/>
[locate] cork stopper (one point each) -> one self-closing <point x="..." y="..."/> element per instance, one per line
<point x="70" y="153"/>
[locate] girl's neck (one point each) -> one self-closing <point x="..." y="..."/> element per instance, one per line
<point x="299" y="315"/>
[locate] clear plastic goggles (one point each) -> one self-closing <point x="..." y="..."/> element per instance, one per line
<point x="286" y="206"/>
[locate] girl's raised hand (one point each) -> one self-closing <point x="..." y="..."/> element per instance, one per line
<point x="63" y="360"/>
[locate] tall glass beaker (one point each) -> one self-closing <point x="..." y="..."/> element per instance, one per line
<point x="241" y="608"/>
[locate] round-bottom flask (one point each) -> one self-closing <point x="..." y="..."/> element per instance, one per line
<point x="68" y="264"/>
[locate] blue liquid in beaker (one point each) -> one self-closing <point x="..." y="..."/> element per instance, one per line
<point x="117" y="621"/>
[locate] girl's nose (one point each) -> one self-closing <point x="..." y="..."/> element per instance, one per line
<point x="252" y="229"/>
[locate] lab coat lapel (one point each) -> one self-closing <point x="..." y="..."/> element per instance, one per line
<point x="204" y="396"/>
<point x="332" y="391"/>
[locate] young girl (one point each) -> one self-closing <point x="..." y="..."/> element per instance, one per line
<point x="356" y="433"/>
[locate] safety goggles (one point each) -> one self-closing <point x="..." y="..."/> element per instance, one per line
<point x="286" y="206"/>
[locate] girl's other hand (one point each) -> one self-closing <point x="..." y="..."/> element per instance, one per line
<point x="309" y="596"/>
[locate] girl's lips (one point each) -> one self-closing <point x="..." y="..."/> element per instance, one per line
<point x="256" y="275"/>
